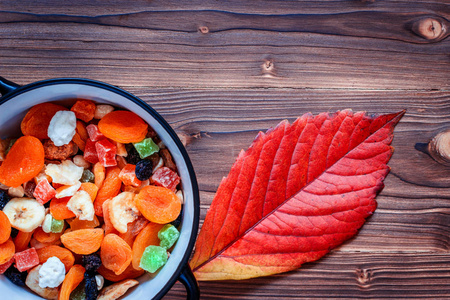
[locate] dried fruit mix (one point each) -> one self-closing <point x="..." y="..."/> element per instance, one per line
<point x="87" y="193"/>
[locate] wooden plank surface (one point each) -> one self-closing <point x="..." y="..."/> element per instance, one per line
<point x="221" y="71"/>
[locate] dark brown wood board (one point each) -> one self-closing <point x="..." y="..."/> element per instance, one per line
<point x="221" y="71"/>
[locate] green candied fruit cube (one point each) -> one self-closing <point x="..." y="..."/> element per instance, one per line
<point x="57" y="225"/>
<point x="87" y="176"/>
<point x="168" y="235"/>
<point x="153" y="258"/>
<point x="79" y="292"/>
<point x="146" y="147"/>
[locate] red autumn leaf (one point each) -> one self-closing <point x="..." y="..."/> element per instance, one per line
<point x="300" y="190"/>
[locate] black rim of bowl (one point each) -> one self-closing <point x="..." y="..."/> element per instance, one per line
<point x="164" y="124"/>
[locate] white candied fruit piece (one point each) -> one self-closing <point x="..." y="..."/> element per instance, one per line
<point x="62" y="127"/>
<point x="66" y="173"/>
<point x="52" y="273"/>
<point x="69" y="191"/>
<point x="102" y="110"/>
<point x="47" y="224"/>
<point x="81" y="162"/>
<point x="16" y="192"/>
<point x="100" y="281"/>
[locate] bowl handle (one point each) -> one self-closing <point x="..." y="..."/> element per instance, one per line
<point x="7" y="86"/>
<point x="187" y="278"/>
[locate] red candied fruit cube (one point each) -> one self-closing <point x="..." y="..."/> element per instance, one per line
<point x="93" y="132"/>
<point x="166" y="177"/>
<point x="128" y="176"/>
<point x="106" y="152"/>
<point x="44" y="192"/>
<point x="6" y="265"/>
<point x="90" y="152"/>
<point x="84" y="110"/>
<point x="26" y="259"/>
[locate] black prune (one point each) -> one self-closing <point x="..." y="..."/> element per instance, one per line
<point x="4" y="198"/>
<point x="90" y="286"/>
<point x="16" y="277"/>
<point x="144" y="169"/>
<point x="132" y="156"/>
<point x="91" y="262"/>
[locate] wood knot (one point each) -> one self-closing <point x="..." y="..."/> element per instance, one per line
<point x="203" y="29"/>
<point x="268" y="68"/>
<point x="430" y="28"/>
<point x="363" y="276"/>
<point x="439" y="147"/>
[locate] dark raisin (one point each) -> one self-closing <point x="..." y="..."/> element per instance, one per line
<point x="91" y="262"/>
<point x="177" y="221"/>
<point x="16" y="277"/>
<point x="4" y="198"/>
<point x="144" y="169"/>
<point x="29" y="188"/>
<point x="90" y="286"/>
<point x="132" y="156"/>
<point x="14" y="232"/>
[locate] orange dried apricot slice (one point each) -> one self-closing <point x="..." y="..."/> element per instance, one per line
<point x="83" y="241"/>
<point x="71" y="281"/>
<point x="64" y="255"/>
<point x="77" y="224"/>
<point x="90" y="188"/>
<point x="108" y="226"/>
<point x="24" y="161"/>
<point x="133" y="230"/>
<point x="46" y="238"/>
<point x="36" y="121"/>
<point x="148" y="236"/>
<point x="7" y="250"/>
<point x="59" y="209"/>
<point x="99" y="174"/>
<point x="158" y="204"/>
<point x="22" y="240"/>
<point x="123" y="127"/>
<point x="110" y="188"/>
<point x="115" y="253"/>
<point x="5" y="227"/>
<point x="129" y="273"/>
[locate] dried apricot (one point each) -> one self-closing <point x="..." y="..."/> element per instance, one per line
<point x="110" y="188"/>
<point x="115" y="253"/>
<point x="84" y="110"/>
<point x="133" y="230"/>
<point x="64" y="255"/>
<point x="71" y="281"/>
<point x="22" y="240"/>
<point x="90" y="188"/>
<point x="129" y="273"/>
<point x="77" y="224"/>
<point x="7" y="250"/>
<point x="83" y="241"/>
<point x="5" y="227"/>
<point x="46" y="238"/>
<point x="37" y="120"/>
<point x="99" y="174"/>
<point x="24" y="161"/>
<point x="59" y="209"/>
<point x="108" y="226"/>
<point x="158" y="204"/>
<point x="123" y="127"/>
<point x="80" y="136"/>
<point x="148" y="236"/>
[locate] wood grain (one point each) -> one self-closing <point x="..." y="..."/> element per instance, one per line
<point x="221" y="71"/>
